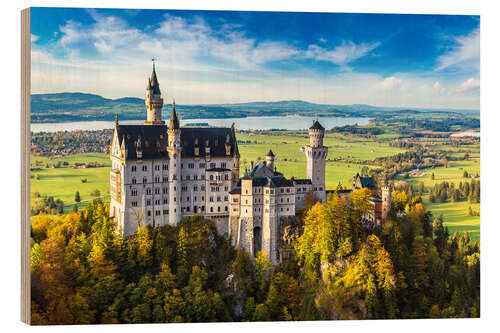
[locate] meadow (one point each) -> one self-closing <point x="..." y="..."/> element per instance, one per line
<point x="63" y="182"/>
<point x="454" y="213"/>
<point x="291" y="161"/>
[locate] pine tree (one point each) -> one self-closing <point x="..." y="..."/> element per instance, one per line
<point x="77" y="196"/>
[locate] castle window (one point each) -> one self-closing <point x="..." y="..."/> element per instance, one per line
<point x="182" y="165"/>
<point x="211" y="209"/>
<point x="164" y="167"/>
<point x="281" y="199"/>
<point x="225" y="198"/>
<point x="226" y="177"/>
<point x="191" y="165"/>
<point x="287" y="199"/>
<point x="165" y="190"/>
<point x="187" y="208"/>
<point x="287" y="190"/>
<point x="165" y="201"/>
<point x="225" y="208"/>
<point x="157" y="190"/>
<point x="184" y="188"/>
<point x="218" y="199"/>
<point x="165" y="179"/>
<point x="188" y="177"/>
<point x="211" y="177"/>
<point x="203" y="187"/>
<point x="165" y="212"/>
<point x="134" y="193"/>
<point x="202" y="208"/>
<point x="187" y="198"/>
<point x="149" y="213"/>
<point x="157" y="167"/>
<point x="218" y="209"/>
<point x="144" y="180"/>
<point x="134" y="181"/>
<point x="175" y="199"/>
<point x="195" y="177"/>
<point x="211" y="199"/>
<point x="157" y="202"/>
<point x="134" y="203"/>
<point x="195" y="188"/>
<point x="195" y="199"/>
<point x="281" y="208"/>
<point x="133" y="168"/>
<point x="282" y="190"/>
<point x="212" y="165"/>
<point x="148" y="191"/>
<point x="202" y="198"/>
<point x="148" y="202"/>
<point x="202" y="165"/>
<point x="174" y="177"/>
<point x="144" y="168"/>
<point x="223" y="165"/>
<point x="157" y="179"/>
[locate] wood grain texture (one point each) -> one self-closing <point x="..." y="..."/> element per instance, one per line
<point x="25" y="165"/>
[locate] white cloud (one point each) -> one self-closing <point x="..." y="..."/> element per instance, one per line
<point x="469" y="85"/>
<point x="34" y="38"/>
<point x="465" y="55"/>
<point x="343" y="54"/>
<point x="390" y="83"/>
<point x="198" y="65"/>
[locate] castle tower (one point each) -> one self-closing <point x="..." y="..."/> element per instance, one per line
<point x="236" y="158"/>
<point x="270" y="160"/>
<point x="386" y="200"/>
<point x="316" y="158"/>
<point x="154" y="102"/>
<point x="174" y="153"/>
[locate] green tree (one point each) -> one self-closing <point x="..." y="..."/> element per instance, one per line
<point x="77" y="196"/>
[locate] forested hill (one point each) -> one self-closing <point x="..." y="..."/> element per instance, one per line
<point x="75" y="106"/>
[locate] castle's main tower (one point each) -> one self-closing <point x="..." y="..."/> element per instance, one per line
<point x="386" y="199"/>
<point x="174" y="153"/>
<point x="154" y="102"/>
<point x="316" y="158"/>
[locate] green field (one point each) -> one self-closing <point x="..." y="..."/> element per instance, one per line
<point x="63" y="182"/>
<point x="454" y="213"/>
<point x="292" y="162"/>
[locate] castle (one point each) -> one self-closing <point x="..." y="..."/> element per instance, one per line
<point x="161" y="174"/>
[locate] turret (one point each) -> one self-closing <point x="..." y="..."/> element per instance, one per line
<point x="316" y="134"/>
<point x="154" y="102"/>
<point x="174" y="150"/>
<point x="386" y="199"/>
<point x="316" y="159"/>
<point x="270" y="160"/>
<point x="236" y="158"/>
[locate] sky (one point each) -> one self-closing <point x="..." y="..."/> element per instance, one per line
<point x="207" y="57"/>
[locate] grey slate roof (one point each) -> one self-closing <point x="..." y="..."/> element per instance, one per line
<point x="316" y="125"/>
<point x="154" y="141"/>
<point x="302" y="181"/>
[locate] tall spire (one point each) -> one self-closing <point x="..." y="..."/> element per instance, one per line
<point x="116" y="119"/>
<point x="174" y="121"/>
<point x="155" y="85"/>
<point x="154" y="102"/>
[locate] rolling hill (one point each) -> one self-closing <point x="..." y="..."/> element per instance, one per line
<point x="76" y="106"/>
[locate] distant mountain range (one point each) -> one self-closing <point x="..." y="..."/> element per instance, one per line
<point x="75" y="106"/>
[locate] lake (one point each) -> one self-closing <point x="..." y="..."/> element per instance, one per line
<point x="264" y="123"/>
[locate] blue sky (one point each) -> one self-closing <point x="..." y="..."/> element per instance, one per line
<point x="227" y="57"/>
